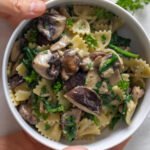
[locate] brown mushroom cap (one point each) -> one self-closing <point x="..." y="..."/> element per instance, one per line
<point x="52" y="25"/>
<point x="47" y="65"/>
<point x="85" y="99"/>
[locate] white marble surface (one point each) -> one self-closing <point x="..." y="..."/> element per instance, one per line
<point x="139" y="141"/>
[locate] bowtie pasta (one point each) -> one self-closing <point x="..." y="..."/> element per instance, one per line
<point x="71" y="74"/>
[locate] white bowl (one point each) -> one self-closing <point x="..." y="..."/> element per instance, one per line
<point x="140" y="43"/>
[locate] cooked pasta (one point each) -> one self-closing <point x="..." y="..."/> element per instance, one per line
<point x="74" y="75"/>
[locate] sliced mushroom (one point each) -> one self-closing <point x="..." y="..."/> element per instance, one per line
<point x="26" y="112"/>
<point x="85" y="99"/>
<point x="15" y="80"/>
<point x="62" y="43"/>
<point x="94" y="55"/>
<point x="76" y="113"/>
<point x="76" y="80"/>
<point x="47" y="65"/>
<point x="63" y="11"/>
<point x="86" y="64"/>
<point x="52" y="25"/>
<point x="15" y="51"/>
<point x="70" y="64"/>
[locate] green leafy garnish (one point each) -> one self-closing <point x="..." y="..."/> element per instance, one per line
<point x="124" y="85"/>
<point x="31" y="35"/>
<point x="103" y="38"/>
<point x="123" y="52"/>
<point x="32" y="78"/>
<point x="119" y="40"/>
<point x="101" y="13"/>
<point x="132" y="5"/>
<point x="47" y="127"/>
<point x="53" y="107"/>
<point x="70" y="128"/>
<point x="69" y="22"/>
<point x="93" y="118"/>
<point x="115" y="120"/>
<point x="43" y="90"/>
<point x="108" y="63"/>
<point x="57" y="86"/>
<point x="91" y="41"/>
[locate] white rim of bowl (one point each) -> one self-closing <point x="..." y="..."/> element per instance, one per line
<point x="21" y="122"/>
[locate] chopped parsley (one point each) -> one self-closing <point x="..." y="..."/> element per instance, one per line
<point x="103" y="38"/>
<point x="31" y="35"/>
<point x="47" y="127"/>
<point x="43" y="90"/>
<point x="57" y="86"/>
<point x="69" y="22"/>
<point x="91" y="41"/>
<point x="93" y="118"/>
<point x="70" y="128"/>
<point x="124" y="85"/>
<point x="115" y="120"/>
<point x="53" y="107"/>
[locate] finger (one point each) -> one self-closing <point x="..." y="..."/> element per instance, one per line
<point x="23" y="8"/>
<point x="75" y="148"/>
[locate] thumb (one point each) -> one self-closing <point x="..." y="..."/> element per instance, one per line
<point x="23" y="8"/>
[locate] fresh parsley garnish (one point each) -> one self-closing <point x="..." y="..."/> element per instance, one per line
<point x="57" y="86"/>
<point x="47" y="127"/>
<point x="70" y="128"/>
<point x="43" y="90"/>
<point x="31" y="35"/>
<point x="103" y="38"/>
<point x="69" y="22"/>
<point x="124" y="85"/>
<point x="91" y="41"/>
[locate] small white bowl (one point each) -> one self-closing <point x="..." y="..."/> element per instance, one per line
<point x="140" y="43"/>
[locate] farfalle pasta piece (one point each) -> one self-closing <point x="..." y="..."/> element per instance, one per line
<point x="21" y="69"/>
<point x="81" y="26"/>
<point x="22" y="95"/>
<point x="116" y="23"/>
<point x="43" y="88"/>
<point x="118" y="91"/>
<point x="80" y="46"/>
<point x="87" y="127"/>
<point x="12" y="97"/>
<point x="138" y="67"/>
<point x="131" y="106"/>
<point x="103" y="38"/>
<point x="100" y="25"/>
<point x="52" y="132"/>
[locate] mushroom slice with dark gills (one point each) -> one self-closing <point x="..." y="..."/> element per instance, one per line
<point x="25" y="110"/>
<point x="47" y="65"/>
<point x="85" y="99"/>
<point x="70" y="64"/>
<point x="77" y="79"/>
<point x="15" y="80"/>
<point x="52" y="25"/>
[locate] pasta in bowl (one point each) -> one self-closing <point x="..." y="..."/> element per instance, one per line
<point x="71" y="74"/>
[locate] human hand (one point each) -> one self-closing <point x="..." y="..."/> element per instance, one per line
<point x="21" y="140"/>
<point x="16" y="10"/>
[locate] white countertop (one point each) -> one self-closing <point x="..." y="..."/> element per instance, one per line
<point x="140" y="140"/>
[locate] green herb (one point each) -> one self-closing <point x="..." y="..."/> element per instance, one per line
<point x="70" y="128"/>
<point x="101" y="13"/>
<point x="103" y="38"/>
<point x="97" y="86"/>
<point x="108" y="63"/>
<point x="115" y="120"/>
<point x="124" y="85"/>
<point x="31" y="35"/>
<point x="47" y="127"/>
<point x="123" y="52"/>
<point x="53" y="107"/>
<point x="91" y="41"/>
<point x="32" y="78"/>
<point x="93" y="118"/>
<point x="57" y="86"/>
<point x="69" y="22"/>
<point x="106" y="99"/>
<point x="132" y="5"/>
<point x="43" y="90"/>
<point x="119" y="40"/>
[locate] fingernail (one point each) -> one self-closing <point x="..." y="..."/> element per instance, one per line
<point x="37" y="7"/>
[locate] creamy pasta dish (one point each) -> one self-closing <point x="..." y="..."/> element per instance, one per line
<point x="71" y="75"/>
